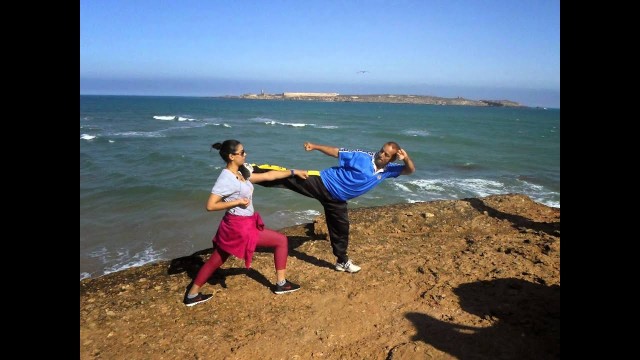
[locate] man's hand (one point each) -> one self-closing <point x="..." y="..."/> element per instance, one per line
<point x="409" y="168"/>
<point x="327" y="150"/>
<point x="308" y="146"/>
<point x="402" y="154"/>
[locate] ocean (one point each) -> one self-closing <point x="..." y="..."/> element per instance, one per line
<point x="146" y="169"/>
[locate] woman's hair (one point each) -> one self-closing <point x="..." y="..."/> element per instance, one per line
<point x="226" y="148"/>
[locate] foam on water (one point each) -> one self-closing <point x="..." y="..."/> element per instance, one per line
<point x="164" y="117"/>
<point x="122" y="258"/>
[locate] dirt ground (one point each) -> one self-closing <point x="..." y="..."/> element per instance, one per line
<point x="459" y="279"/>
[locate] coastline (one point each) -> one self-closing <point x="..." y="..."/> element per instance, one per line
<point x="443" y="279"/>
<point x="382" y="98"/>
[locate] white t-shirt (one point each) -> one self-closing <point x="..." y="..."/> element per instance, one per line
<point x="230" y="188"/>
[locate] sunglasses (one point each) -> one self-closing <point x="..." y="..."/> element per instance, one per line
<point x="241" y="153"/>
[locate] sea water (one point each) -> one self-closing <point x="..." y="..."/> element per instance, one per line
<point x="146" y="165"/>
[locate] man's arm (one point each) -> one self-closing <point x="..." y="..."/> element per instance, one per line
<point x="327" y="150"/>
<point x="409" y="168"/>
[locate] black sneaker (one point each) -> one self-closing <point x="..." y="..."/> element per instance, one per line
<point x="286" y="288"/>
<point x="198" y="299"/>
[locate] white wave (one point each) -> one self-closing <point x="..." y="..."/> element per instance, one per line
<point x="311" y="212"/>
<point x="112" y="141"/>
<point x="417" y="132"/>
<point x="271" y="122"/>
<point x="181" y="118"/>
<point x="298" y="217"/>
<point x="530" y="186"/>
<point x="87" y="137"/>
<point x="327" y="127"/>
<point x="555" y="204"/>
<point x="422" y="184"/>
<point x="262" y="119"/>
<point x="549" y="203"/>
<point x="475" y="187"/>
<point x="99" y="252"/>
<point x="481" y="187"/>
<point x="144" y="134"/>
<point x="538" y="193"/>
<point x="226" y="125"/>
<point x="457" y="188"/>
<point x="164" y="117"/>
<point x="402" y="187"/>
<point x="84" y="275"/>
<point x="122" y="258"/>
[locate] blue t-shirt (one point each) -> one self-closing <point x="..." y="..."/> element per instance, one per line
<point x="355" y="174"/>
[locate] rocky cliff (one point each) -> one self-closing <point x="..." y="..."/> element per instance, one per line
<point x="475" y="278"/>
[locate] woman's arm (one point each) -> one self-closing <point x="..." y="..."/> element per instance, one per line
<point x="327" y="150"/>
<point x="215" y="203"/>
<point x="277" y="174"/>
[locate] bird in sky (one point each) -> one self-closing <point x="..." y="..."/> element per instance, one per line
<point x="362" y="71"/>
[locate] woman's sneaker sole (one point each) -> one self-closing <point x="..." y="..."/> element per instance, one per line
<point x="198" y="299"/>
<point x="288" y="287"/>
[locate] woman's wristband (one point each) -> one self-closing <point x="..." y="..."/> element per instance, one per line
<point x="292" y="173"/>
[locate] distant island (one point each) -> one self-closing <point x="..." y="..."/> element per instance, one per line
<point x="383" y="98"/>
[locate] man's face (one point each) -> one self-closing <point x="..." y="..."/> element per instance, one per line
<point x="384" y="156"/>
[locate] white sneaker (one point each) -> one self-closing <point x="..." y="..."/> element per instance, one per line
<point x="348" y="267"/>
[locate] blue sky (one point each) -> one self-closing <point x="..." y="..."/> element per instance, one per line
<point x="475" y="49"/>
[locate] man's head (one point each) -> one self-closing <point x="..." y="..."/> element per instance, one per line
<point x="387" y="154"/>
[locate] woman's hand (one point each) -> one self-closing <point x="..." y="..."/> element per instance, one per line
<point x="302" y="174"/>
<point x="243" y="202"/>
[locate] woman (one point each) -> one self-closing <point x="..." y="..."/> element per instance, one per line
<point x="241" y="228"/>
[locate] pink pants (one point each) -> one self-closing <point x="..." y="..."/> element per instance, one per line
<point x="266" y="238"/>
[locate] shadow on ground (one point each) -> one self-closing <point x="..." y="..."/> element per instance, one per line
<point x="525" y="322"/>
<point x="517" y="220"/>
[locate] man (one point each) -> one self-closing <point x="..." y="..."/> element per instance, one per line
<point x="357" y="172"/>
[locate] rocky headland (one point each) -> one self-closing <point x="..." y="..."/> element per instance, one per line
<point x="386" y="98"/>
<point x="475" y="278"/>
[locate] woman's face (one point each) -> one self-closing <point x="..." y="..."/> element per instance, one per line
<point x="240" y="155"/>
